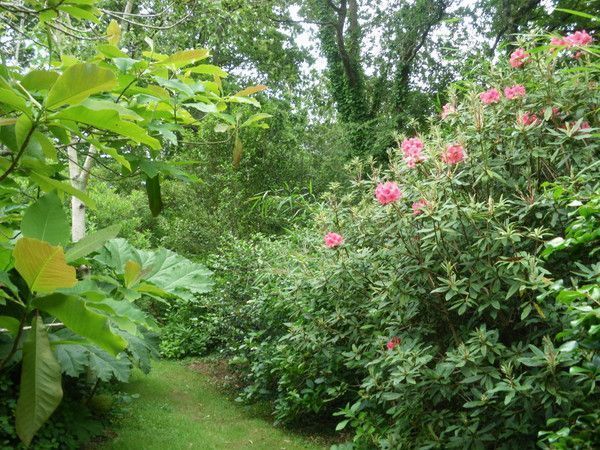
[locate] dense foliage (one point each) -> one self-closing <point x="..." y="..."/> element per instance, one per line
<point x="444" y="315"/>
<point x="267" y="181"/>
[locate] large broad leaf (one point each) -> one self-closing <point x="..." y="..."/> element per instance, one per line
<point x="108" y="119"/>
<point x="41" y="390"/>
<point x="184" y="57"/>
<point x="251" y="90"/>
<point x="43" y="266"/>
<point x="132" y="274"/>
<point x="77" y="83"/>
<point x="116" y="253"/>
<point x="92" y="242"/>
<point x="39" y="80"/>
<point x="46" y="220"/>
<point x="175" y="274"/>
<point x="50" y="184"/>
<point x="105" y="366"/>
<point x="154" y="195"/>
<point x="74" y="313"/>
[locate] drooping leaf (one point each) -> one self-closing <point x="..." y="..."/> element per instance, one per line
<point x="46" y="220"/>
<point x="40" y="390"/>
<point x="74" y="313"/>
<point x="154" y="195"/>
<point x="92" y="242"/>
<point x="43" y="266"/>
<point x="238" y="149"/>
<point x="77" y="83"/>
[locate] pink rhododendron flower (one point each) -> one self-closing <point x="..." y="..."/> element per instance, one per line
<point x="584" y="126"/>
<point x="419" y="206"/>
<point x="393" y="342"/>
<point x="490" y="96"/>
<point x="516" y="91"/>
<point x="559" y="42"/>
<point x="454" y="154"/>
<point x="579" y="38"/>
<point x="413" y="151"/>
<point x="448" y="109"/>
<point x="387" y="192"/>
<point x="527" y="119"/>
<point x="518" y="58"/>
<point x="333" y="240"/>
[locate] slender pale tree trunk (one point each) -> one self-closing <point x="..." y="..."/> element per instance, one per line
<point x="127" y="10"/>
<point x="80" y="175"/>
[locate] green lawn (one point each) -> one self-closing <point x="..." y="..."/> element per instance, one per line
<point x="178" y="408"/>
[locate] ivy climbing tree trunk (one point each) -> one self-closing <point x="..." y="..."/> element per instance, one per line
<point x="79" y="175"/>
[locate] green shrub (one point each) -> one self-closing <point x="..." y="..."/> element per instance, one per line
<point x="438" y="329"/>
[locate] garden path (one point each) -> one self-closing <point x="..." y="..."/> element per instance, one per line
<point x="179" y="408"/>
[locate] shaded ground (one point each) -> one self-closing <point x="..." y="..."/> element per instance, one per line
<point x="180" y="408"/>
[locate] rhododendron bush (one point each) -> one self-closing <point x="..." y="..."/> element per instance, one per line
<point x="434" y="322"/>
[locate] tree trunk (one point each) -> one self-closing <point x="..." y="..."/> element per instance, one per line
<point x="126" y="11"/>
<point x="79" y="179"/>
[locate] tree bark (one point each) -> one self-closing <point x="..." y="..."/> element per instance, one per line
<point x="126" y="11"/>
<point x="79" y="175"/>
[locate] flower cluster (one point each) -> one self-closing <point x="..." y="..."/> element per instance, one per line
<point x="454" y="154"/>
<point x="576" y="39"/>
<point x="388" y="192"/>
<point x="515" y="91"/>
<point x="490" y="96"/>
<point x="447" y="110"/>
<point x="333" y="240"/>
<point x="393" y="342"/>
<point x="419" y="206"/>
<point x="413" y="151"/>
<point x="518" y="58"/>
<point x="526" y="119"/>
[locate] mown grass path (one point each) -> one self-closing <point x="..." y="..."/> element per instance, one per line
<point x="179" y="408"/>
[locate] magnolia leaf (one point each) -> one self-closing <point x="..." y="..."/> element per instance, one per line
<point x="255" y="118"/>
<point x="184" y="57"/>
<point x="46" y="220"/>
<point x="116" y="253"/>
<point x="40" y="390"/>
<point x="113" y="33"/>
<point x="175" y="274"/>
<point x="108" y="119"/>
<point x="50" y="184"/>
<point x="251" y="90"/>
<point x="74" y="313"/>
<point x="77" y="83"/>
<point x="39" y="80"/>
<point x="208" y="69"/>
<point x="132" y="273"/>
<point x="9" y="324"/>
<point x="154" y="195"/>
<point x="43" y="266"/>
<point x="238" y="149"/>
<point x="92" y="242"/>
